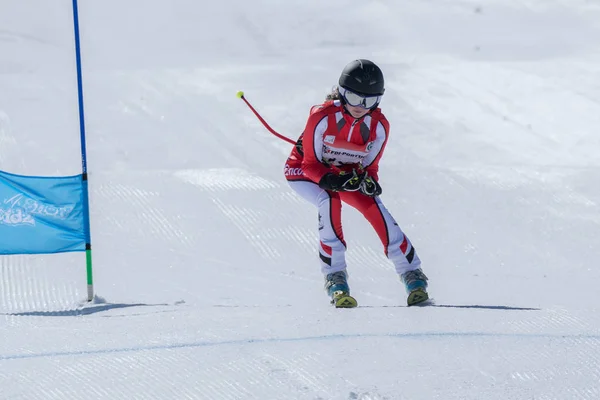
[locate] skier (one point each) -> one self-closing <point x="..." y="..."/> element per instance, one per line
<point x="336" y="160"/>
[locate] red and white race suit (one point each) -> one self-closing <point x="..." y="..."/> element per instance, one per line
<point x="334" y="141"/>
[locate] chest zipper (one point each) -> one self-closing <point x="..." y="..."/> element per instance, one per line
<point x="354" y="123"/>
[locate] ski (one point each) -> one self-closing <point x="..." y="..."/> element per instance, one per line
<point x="341" y="299"/>
<point x="417" y="296"/>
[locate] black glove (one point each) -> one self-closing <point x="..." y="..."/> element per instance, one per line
<point x="370" y="187"/>
<point x="344" y="182"/>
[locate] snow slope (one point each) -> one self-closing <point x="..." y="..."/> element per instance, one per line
<point x="205" y="261"/>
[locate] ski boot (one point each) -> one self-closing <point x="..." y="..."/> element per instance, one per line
<point x="416" y="286"/>
<point x="337" y="287"/>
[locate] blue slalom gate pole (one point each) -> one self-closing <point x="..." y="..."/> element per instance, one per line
<point x="84" y="177"/>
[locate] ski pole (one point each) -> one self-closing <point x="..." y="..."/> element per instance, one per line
<point x="240" y="95"/>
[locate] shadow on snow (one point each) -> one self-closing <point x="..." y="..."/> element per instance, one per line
<point x="88" y="310"/>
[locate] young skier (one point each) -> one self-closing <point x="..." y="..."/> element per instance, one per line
<point x="335" y="160"/>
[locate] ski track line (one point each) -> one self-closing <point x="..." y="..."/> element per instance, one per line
<point x="211" y="378"/>
<point x="78" y="374"/>
<point x="237" y="368"/>
<point x="247" y="221"/>
<point x="303" y="238"/>
<point x="6" y="139"/>
<point x="147" y="214"/>
<point x="251" y="221"/>
<point x="585" y="338"/>
<point x="215" y="387"/>
<point x="267" y="241"/>
<point x="526" y="368"/>
<point x="299" y="372"/>
<point x="556" y="319"/>
<point x="305" y="375"/>
<point x="27" y="285"/>
<point x="225" y="179"/>
<point x="369" y="258"/>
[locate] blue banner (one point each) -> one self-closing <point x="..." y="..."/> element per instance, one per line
<point x="41" y="214"/>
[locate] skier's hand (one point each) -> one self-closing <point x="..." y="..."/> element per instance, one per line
<point x="342" y="182"/>
<point x="370" y="187"/>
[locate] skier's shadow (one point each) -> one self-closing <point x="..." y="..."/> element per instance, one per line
<point x="484" y="307"/>
<point x="430" y="303"/>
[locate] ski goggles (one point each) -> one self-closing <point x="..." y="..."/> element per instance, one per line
<point x="356" y="100"/>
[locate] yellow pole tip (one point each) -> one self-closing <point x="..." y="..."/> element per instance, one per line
<point x="240" y="94"/>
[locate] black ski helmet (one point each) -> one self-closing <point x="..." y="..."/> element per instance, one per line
<point x="362" y="77"/>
